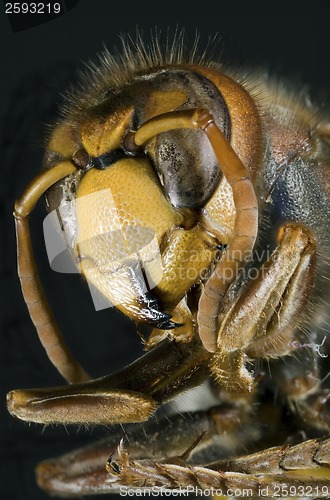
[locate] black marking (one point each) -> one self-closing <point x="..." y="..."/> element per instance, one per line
<point x="114" y="466"/>
<point x="168" y="325"/>
<point x="107" y="159"/>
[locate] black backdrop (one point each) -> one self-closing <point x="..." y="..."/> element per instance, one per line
<point x="38" y="62"/>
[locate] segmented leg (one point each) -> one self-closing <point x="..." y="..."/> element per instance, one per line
<point x="130" y="395"/>
<point x="300" y="470"/>
<point x="267" y="313"/>
<point x="41" y="315"/>
<point x="246" y="205"/>
<point x="216" y="433"/>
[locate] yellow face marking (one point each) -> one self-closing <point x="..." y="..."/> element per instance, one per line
<point x="164" y="101"/>
<point x="110" y="203"/>
<point x="99" y="135"/>
<point x="186" y="257"/>
<point x="63" y="140"/>
<point x="135" y="198"/>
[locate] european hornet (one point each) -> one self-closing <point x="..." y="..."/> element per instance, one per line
<point x="196" y="200"/>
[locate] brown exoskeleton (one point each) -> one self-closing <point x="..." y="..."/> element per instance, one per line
<point x="197" y="201"/>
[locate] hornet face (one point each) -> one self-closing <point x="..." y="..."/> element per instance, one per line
<point x="137" y="234"/>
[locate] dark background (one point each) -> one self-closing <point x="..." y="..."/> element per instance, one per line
<point x="36" y="64"/>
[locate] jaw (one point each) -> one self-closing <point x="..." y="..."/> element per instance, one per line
<point x="127" y="290"/>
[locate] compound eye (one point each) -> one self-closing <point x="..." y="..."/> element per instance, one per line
<point x="187" y="165"/>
